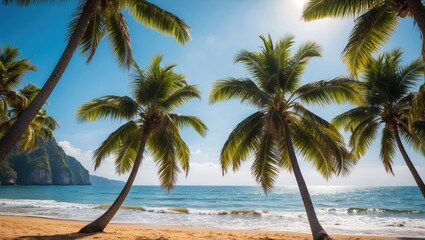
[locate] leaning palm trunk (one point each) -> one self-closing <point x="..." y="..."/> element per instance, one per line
<point x="99" y="224"/>
<point x="15" y="132"/>
<point x="316" y="229"/>
<point x="409" y="164"/>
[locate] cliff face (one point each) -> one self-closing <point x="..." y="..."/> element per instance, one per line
<point x="47" y="165"/>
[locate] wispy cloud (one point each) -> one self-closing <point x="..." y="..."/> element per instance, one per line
<point x="107" y="169"/>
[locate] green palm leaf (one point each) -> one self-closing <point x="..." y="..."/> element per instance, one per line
<point x="162" y="147"/>
<point x="416" y="138"/>
<point x="126" y="153"/>
<point x="351" y="118"/>
<point x="363" y="136"/>
<point x="181" y="148"/>
<point x="94" y="32"/>
<point x="117" y="31"/>
<point x="245" y="90"/>
<point x="159" y="19"/>
<point x="180" y="97"/>
<point x="337" y="90"/>
<point x="265" y="167"/>
<point x="417" y="105"/>
<point x="298" y="63"/>
<point x="242" y="141"/>
<point x="388" y="147"/>
<point x="372" y="29"/>
<point x="114" y="107"/>
<point x="114" y="141"/>
<point x="317" y="9"/>
<point x="183" y="121"/>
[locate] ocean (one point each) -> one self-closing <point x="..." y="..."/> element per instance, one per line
<point x="384" y="211"/>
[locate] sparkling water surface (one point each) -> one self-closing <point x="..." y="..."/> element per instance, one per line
<point x="387" y="211"/>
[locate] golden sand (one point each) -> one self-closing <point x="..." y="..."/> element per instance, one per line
<point x="13" y="227"/>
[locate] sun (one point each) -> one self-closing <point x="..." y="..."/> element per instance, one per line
<point x="300" y="3"/>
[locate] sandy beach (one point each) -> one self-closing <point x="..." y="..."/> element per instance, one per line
<point x="14" y="227"/>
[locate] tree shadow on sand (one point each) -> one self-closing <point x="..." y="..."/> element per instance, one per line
<point x="69" y="236"/>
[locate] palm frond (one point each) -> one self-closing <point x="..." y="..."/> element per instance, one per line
<point x="182" y="121"/>
<point x="28" y="139"/>
<point x="160" y="20"/>
<point x="243" y="140"/>
<point x="322" y="145"/>
<point x="417" y="105"/>
<point x="301" y="111"/>
<point x="93" y="34"/>
<point x="363" y="136"/>
<point x="298" y="63"/>
<point x="388" y="147"/>
<point x="337" y="90"/>
<point x="351" y="118"/>
<point x="118" y="35"/>
<point x="126" y="153"/>
<point x="162" y="148"/>
<point x="371" y="30"/>
<point x="412" y="72"/>
<point x="317" y="9"/>
<point x="253" y="62"/>
<point x="114" y="141"/>
<point x="12" y="69"/>
<point x="156" y="83"/>
<point x="265" y="167"/>
<point x="416" y="137"/>
<point x="180" y="97"/>
<point x="110" y="106"/>
<point x="245" y="90"/>
<point x="181" y="148"/>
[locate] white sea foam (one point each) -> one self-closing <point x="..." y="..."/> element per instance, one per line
<point x="335" y="220"/>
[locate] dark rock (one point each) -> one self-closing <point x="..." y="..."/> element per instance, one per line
<point x="47" y="165"/>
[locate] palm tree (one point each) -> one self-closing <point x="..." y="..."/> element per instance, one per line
<point x="375" y="22"/>
<point x="282" y="123"/>
<point x="387" y="104"/>
<point x="93" y="20"/>
<point x="12" y="70"/>
<point x="42" y="126"/>
<point x="151" y="122"/>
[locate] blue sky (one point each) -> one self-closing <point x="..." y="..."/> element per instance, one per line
<point x="219" y="29"/>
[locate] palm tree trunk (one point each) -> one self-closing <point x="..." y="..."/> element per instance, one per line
<point x="409" y="164"/>
<point x="15" y="132"/>
<point x="316" y="229"/>
<point x="99" y="224"/>
<point x="416" y="8"/>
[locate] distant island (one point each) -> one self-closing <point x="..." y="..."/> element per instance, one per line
<point x="47" y="165"/>
<point x="101" y="181"/>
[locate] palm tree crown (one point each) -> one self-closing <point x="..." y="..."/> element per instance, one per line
<point x="282" y="122"/>
<point x="156" y="93"/>
<point x="12" y="70"/>
<point x="386" y="85"/>
<point x="93" y="19"/>
<point x="108" y="20"/>
<point x="150" y="122"/>
<point x="375" y="22"/>
<point x="275" y="90"/>
<point x="42" y="126"/>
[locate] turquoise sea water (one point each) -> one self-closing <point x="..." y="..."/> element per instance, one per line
<point x="388" y="211"/>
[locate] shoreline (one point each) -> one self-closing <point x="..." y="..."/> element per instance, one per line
<point x="28" y="227"/>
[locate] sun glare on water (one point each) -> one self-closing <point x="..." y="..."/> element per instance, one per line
<point x="300" y="3"/>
